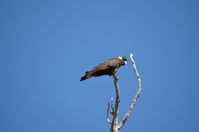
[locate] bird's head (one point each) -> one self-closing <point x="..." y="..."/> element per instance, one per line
<point x="122" y="59"/>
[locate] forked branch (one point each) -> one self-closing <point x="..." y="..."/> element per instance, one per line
<point x="115" y="109"/>
<point x="136" y="96"/>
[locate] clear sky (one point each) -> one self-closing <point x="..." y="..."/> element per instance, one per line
<point x="47" y="45"/>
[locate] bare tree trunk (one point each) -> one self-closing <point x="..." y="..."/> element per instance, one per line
<point x="115" y="109"/>
<point x="114" y="125"/>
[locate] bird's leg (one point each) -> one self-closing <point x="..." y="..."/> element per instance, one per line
<point x="115" y="77"/>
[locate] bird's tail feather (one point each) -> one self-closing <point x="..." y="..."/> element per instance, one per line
<point x="83" y="78"/>
<point x="86" y="76"/>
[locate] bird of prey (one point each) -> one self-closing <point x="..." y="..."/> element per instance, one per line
<point x="108" y="67"/>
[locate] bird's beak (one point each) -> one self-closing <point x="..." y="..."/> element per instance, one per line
<point x="125" y="62"/>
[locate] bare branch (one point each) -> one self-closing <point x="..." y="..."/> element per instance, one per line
<point x="107" y="114"/>
<point x="114" y="125"/>
<point x="136" y="96"/>
<point x="112" y="107"/>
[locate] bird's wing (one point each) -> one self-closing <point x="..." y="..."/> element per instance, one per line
<point x="106" y="65"/>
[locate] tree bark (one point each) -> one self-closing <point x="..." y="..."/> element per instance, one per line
<point x="114" y="125"/>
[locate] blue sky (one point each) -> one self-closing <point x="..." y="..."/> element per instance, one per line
<point x="47" y="45"/>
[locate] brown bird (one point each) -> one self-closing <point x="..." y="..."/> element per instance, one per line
<point x="108" y="67"/>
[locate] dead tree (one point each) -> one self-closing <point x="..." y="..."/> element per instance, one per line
<point x="113" y="108"/>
